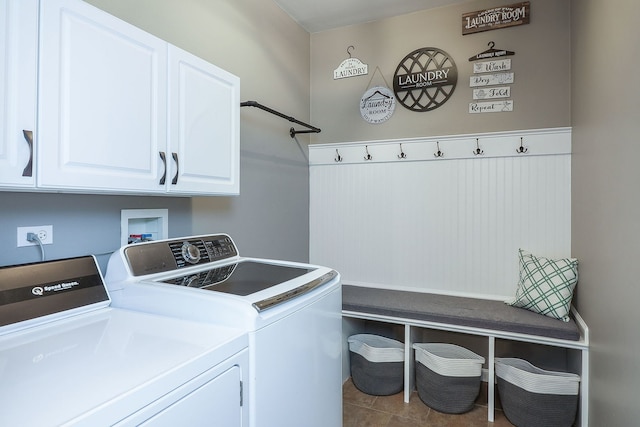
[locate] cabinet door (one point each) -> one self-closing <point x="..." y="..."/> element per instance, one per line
<point x="18" y="54"/>
<point x="217" y="403"/>
<point x="102" y="102"/>
<point x="204" y="135"/>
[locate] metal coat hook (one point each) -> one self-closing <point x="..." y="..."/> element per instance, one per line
<point x="521" y="149"/>
<point x="402" y="155"/>
<point x="368" y="156"/>
<point x="438" y="153"/>
<point x="338" y="157"/>
<point x="478" y="151"/>
<point x="349" y="51"/>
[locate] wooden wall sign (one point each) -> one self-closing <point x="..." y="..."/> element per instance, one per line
<point x="490" y="107"/>
<point x="492" y="66"/>
<point x="492" y="92"/>
<point x="350" y="67"/>
<point x="491" y="79"/>
<point x="496" y="18"/>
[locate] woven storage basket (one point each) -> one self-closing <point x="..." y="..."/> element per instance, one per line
<point x="377" y="364"/>
<point x="533" y="397"/>
<point x="447" y="376"/>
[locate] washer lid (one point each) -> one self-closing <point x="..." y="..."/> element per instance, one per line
<point x="242" y="278"/>
<point x="248" y="277"/>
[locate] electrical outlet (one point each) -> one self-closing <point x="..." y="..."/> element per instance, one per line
<point x="44" y="233"/>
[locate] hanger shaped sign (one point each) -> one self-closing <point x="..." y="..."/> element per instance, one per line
<point x="491" y="53"/>
<point x="350" y="67"/>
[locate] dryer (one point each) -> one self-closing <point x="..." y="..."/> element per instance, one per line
<point x="68" y="357"/>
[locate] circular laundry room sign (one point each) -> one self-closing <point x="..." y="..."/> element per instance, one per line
<point x="377" y="104"/>
<point x="425" y="79"/>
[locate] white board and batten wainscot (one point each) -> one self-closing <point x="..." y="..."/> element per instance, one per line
<point x="450" y="224"/>
<point x="446" y="215"/>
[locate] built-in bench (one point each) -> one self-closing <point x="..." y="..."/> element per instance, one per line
<point x="482" y="317"/>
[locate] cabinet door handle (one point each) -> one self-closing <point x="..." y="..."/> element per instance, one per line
<point x="164" y="162"/>
<point x="174" y="181"/>
<point x="28" y="169"/>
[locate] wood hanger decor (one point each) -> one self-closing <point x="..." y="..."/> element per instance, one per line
<point x="489" y="79"/>
<point x="350" y="67"/>
<point x="491" y="53"/>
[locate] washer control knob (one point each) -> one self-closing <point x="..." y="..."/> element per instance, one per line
<point x="190" y="281"/>
<point x="190" y="253"/>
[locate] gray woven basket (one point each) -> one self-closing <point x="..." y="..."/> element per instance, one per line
<point x="533" y="397"/>
<point x="526" y="409"/>
<point x="376" y="378"/>
<point x="451" y="395"/>
<point x="447" y="376"/>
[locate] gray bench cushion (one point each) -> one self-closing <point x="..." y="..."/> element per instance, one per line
<point x="472" y="312"/>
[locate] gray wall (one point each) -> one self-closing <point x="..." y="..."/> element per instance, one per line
<point x="258" y="42"/>
<point x="82" y="224"/>
<point x="606" y="200"/>
<point x="542" y="67"/>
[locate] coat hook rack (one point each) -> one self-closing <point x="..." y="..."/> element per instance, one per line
<point x="402" y="154"/>
<point x="292" y="131"/>
<point x="368" y="156"/>
<point x="338" y="157"/>
<point x="522" y="149"/>
<point x="478" y="151"/>
<point x="438" y="153"/>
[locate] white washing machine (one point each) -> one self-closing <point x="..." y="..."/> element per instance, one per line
<point x="67" y="357"/>
<point x="291" y="310"/>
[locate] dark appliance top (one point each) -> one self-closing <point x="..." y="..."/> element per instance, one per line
<point x="242" y="278"/>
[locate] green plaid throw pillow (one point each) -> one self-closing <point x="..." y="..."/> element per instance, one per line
<point x="546" y="286"/>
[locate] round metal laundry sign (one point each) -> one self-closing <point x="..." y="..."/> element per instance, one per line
<point x="425" y="79"/>
<point x="377" y="104"/>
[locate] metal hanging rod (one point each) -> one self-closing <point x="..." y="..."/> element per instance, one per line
<point x="292" y="131"/>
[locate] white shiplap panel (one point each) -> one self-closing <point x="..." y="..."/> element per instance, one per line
<point x="450" y="226"/>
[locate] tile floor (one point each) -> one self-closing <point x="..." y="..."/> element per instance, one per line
<point x="363" y="410"/>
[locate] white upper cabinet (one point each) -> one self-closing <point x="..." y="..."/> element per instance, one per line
<point x="204" y="130"/>
<point x="118" y="109"/>
<point x="18" y="58"/>
<point x="102" y="101"/>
